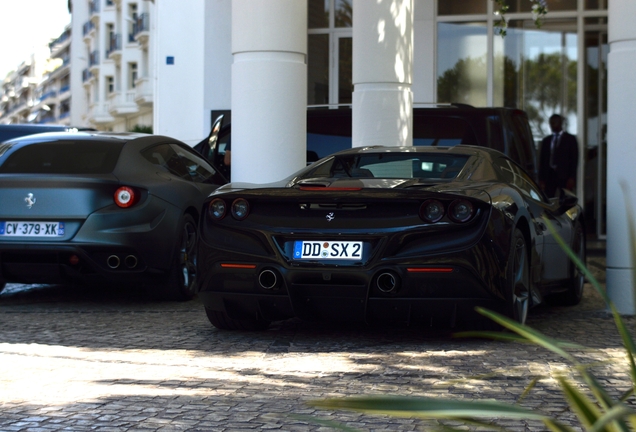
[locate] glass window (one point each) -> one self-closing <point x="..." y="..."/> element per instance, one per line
<point x="442" y="131"/>
<point x="198" y="169"/>
<point x="318" y="70"/>
<point x="163" y="155"/>
<point x="461" y="63"/>
<point x="391" y="166"/>
<point x="345" y="70"/>
<point x="596" y="4"/>
<point x="64" y="157"/>
<point x="536" y="71"/>
<point x="461" y="7"/>
<point x="318" y="14"/>
<point x="343" y="13"/>
<point x="514" y="175"/>
<point x="553" y="5"/>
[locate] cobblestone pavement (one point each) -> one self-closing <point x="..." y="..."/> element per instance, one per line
<point x="75" y="359"/>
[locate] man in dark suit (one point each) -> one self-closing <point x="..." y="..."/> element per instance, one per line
<point x="558" y="159"/>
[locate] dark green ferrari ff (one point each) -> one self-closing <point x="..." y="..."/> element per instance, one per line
<point x="90" y="206"/>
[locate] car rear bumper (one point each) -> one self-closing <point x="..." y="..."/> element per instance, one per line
<point x="442" y="290"/>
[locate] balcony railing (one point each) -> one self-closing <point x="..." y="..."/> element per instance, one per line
<point x="65" y="88"/>
<point x="114" y="44"/>
<point x="48" y="94"/>
<point x="86" y="75"/>
<point x="88" y="27"/>
<point x="93" y="7"/>
<point x="142" y="24"/>
<point x="93" y="59"/>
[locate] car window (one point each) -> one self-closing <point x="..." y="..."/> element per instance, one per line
<point x="392" y="166"/>
<point x="165" y="156"/>
<point x="442" y="131"/>
<point x="63" y="157"/>
<point x="197" y="168"/>
<point x="515" y="175"/>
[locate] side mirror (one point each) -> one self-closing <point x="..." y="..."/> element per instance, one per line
<point x="565" y="199"/>
<point x="214" y="133"/>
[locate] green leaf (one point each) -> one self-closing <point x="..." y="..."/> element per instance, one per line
<point x="532" y="335"/>
<point x="619" y="412"/>
<point x="405" y="406"/>
<point x="585" y="409"/>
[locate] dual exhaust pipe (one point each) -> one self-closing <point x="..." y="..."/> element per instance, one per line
<point x="387" y="282"/>
<point x="114" y="262"/>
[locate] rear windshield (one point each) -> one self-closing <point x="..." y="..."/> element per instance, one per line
<point x="63" y="158"/>
<point x="391" y="166"/>
<point x="442" y="131"/>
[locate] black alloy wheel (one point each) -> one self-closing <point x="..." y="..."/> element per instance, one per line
<point x="182" y="281"/>
<point x="518" y="279"/>
<point x="574" y="292"/>
<point x="222" y="321"/>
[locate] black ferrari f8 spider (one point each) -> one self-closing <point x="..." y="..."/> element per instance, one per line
<point x="121" y="208"/>
<point x="415" y="235"/>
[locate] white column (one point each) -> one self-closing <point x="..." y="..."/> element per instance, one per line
<point x="382" y="72"/>
<point x="269" y="89"/>
<point x="621" y="158"/>
<point x="79" y="62"/>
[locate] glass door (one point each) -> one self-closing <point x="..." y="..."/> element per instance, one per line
<point x="595" y="143"/>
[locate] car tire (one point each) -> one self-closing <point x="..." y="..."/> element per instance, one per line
<point x="222" y="321"/>
<point x="518" y="279"/>
<point x="574" y="292"/>
<point x="182" y="277"/>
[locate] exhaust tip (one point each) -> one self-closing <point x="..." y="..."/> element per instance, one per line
<point x="131" y="261"/>
<point x="387" y="282"/>
<point x="113" y="261"/>
<point x="267" y="279"/>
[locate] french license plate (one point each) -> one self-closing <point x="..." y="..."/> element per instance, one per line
<point x="349" y="250"/>
<point x="31" y="229"/>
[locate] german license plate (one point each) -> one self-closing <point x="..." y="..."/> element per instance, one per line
<point x="31" y="229"/>
<point x="348" y="250"/>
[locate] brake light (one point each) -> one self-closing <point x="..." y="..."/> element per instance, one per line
<point x="461" y="211"/>
<point x="429" y="269"/>
<point x="240" y="208"/>
<point x="217" y="209"/>
<point x="320" y="188"/>
<point x="125" y="197"/>
<point x="431" y="211"/>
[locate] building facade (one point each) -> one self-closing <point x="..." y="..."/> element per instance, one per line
<point x="115" y="66"/>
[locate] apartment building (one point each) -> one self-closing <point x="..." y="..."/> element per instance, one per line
<point x="19" y="89"/>
<point x="117" y="77"/>
<point x="53" y="92"/>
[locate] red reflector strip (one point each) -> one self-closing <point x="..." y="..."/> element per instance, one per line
<point x="320" y="188"/>
<point x="238" y="266"/>
<point x="430" y="270"/>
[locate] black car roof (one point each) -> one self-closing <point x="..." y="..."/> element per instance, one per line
<point x="458" y="149"/>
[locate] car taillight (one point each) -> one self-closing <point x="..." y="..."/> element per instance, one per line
<point x="217" y="209"/>
<point x="431" y="211"/>
<point x="240" y="208"/>
<point x="461" y="210"/>
<point x="125" y="197"/>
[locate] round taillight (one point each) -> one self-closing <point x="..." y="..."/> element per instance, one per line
<point x="461" y="211"/>
<point x="240" y="209"/>
<point x="217" y="209"/>
<point x="124" y="197"/>
<point x="431" y="211"/>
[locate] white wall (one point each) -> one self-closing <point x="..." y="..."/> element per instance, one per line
<point x="179" y="104"/>
<point x="218" y="56"/>
<point x="424" y="42"/>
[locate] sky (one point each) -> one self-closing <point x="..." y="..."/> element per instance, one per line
<point x="26" y="25"/>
